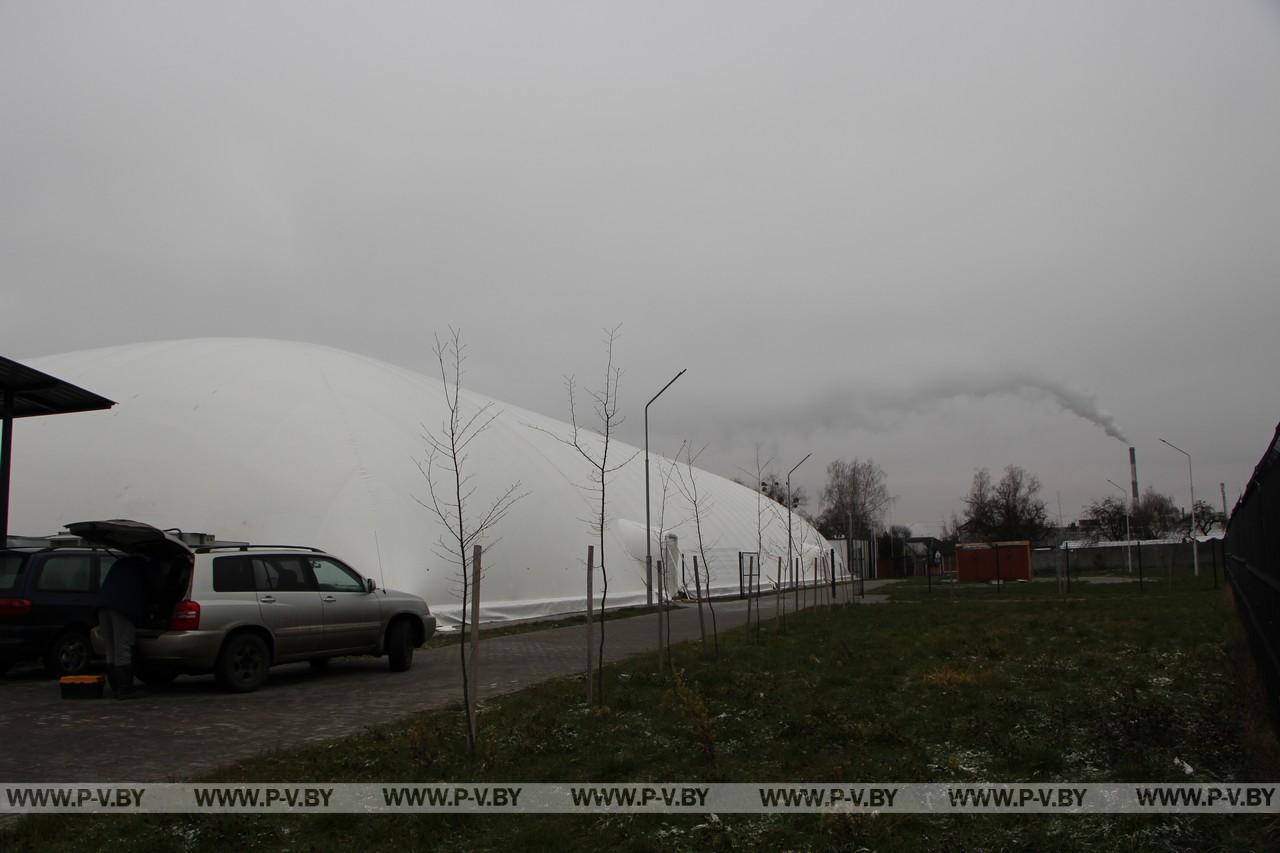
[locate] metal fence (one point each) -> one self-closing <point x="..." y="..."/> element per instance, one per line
<point x="1253" y="565"/>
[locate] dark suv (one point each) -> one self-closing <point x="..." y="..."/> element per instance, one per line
<point x="48" y="604"/>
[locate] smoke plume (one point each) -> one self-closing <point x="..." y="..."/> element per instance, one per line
<point x="1079" y="403"/>
<point x="883" y="409"/>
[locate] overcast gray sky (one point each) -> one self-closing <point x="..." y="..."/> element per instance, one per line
<point x="909" y="230"/>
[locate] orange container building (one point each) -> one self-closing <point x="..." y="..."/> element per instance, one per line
<point x="982" y="562"/>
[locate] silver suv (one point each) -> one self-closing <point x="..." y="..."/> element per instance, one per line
<point x="238" y="610"/>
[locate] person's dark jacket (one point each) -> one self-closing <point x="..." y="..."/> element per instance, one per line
<point x="125" y="588"/>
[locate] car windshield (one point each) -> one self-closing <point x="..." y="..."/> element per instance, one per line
<point x="10" y="568"/>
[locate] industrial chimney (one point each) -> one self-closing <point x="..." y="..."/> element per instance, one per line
<point x="1133" y="474"/>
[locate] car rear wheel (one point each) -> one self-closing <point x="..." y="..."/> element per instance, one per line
<point x="399" y="646"/>
<point x="68" y="654"/>
<point x="244" y="663"/>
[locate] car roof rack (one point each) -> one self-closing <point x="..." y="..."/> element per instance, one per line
<point x="243" y="546"/>
<point x="56" y="546"/>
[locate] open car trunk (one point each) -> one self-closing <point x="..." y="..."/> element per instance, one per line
<point x="168" y="562"/>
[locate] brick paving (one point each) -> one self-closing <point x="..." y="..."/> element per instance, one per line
<point x="190" y="727"/>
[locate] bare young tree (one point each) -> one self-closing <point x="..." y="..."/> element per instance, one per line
<point x="688" y="486"/>
<point x="779" y="583"/>
<point x="766" y="514"/>
<point x="771" y="500"/>
<point x="450" y="490"/>
<point x="594" y="448"/>
<point x="664" y="477"/>
<point x="856" y="494"/>
<point x="801" y="536"/>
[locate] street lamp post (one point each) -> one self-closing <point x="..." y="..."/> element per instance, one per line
<point x="1195" y="546"/>
<point x="648" y="532"/>
<point x="1128" y="534"/>
<point x="790" y="563"/>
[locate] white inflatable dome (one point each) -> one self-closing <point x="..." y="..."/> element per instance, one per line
<point x="274" y="442"/>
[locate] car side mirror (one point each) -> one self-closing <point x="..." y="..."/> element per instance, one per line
<point x="370" y="584"/>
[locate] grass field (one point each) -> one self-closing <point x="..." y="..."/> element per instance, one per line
<point x="1104" y="685"/>
<point x="1092" y="586"/>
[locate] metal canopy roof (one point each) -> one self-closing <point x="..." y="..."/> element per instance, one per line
<point x="36" y="393"/>
<point x="26" y="392"/>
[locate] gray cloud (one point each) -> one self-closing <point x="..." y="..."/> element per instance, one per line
<point x="864" y="227"/>
<point x="1080" y="403"/>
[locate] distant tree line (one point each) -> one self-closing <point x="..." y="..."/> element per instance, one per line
<point x="856" y="492"/>
<point x="1010" y="509"/>
<point x="1155" y="516"/>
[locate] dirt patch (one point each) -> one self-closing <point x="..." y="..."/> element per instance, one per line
<point x="951" y="677"/>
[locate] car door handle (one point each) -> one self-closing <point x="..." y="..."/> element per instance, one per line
<point x="328" y="599"/>
<point x="267" y="599"/>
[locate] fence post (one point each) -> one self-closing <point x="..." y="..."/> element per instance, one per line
<point x="795" y="583"/>
<point x="591" y="570"/>
<point x="663" y="630"/>
<point x="475" y="640"/>
<point x="1141" y="586"/>
<point x="848" y="552"/>
<point x="780" y="597"/>
<point x="1067" y="550"/>
<point x="755" y="594"/>
<point x="697" y="586"/>
<point x="864" y="566"/>
<point x="655" y="583"/>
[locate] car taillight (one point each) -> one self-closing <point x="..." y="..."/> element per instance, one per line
<point x="186" y="616"/>
<point x="14" y="606"/>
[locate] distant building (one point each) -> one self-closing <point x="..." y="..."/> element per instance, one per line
<point x="981" y="562"/>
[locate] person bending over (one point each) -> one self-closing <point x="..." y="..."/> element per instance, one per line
<point x="121" y="605"/>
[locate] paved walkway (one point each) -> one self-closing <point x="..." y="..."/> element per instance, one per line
<point x="190" y="727"/>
